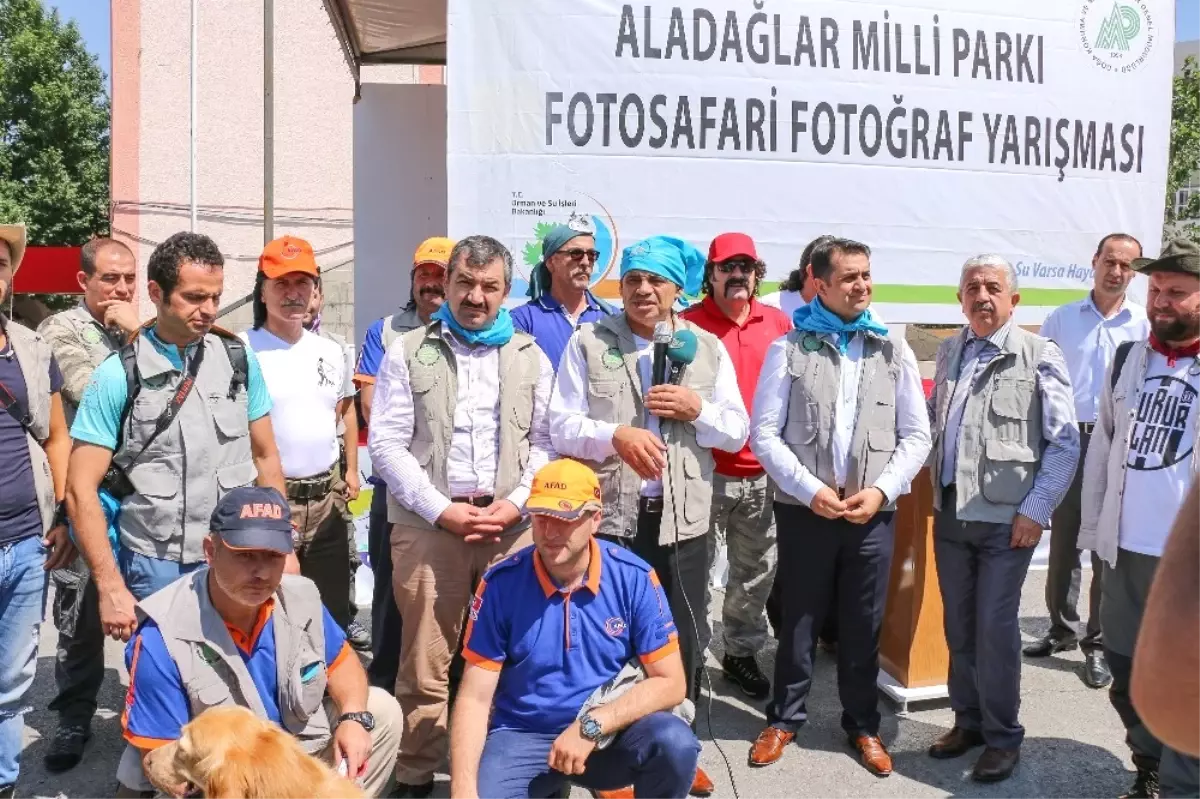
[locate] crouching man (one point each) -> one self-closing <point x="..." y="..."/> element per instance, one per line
<point x="239" y="632"/>
<point x="551" y="629"/>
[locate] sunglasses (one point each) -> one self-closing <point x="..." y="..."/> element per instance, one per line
<point x="578" y="254"/>
<point x="745" y="267"/>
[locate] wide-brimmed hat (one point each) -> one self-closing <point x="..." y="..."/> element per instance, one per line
<point x="15" y="236"/>
<point x="1180" y="255"/>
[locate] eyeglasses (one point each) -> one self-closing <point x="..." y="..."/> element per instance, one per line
<point x="745" y="267"/>
<point x="578" y="254"/>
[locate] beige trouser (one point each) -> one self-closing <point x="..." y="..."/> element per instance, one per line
<point x="434" y="573"/>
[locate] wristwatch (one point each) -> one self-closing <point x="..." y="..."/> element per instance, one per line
<point x="590" y="728"/>
<point x="60" y="514"/>
<point x="367" y="720"/>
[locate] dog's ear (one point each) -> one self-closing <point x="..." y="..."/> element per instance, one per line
<point x="229" y="774"/>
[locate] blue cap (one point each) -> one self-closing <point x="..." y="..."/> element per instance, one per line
<point x="254" y="517"/>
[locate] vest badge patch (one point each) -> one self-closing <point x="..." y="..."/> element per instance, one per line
<point x="428" y="354"/>
<point x="91" y="335"/>
<point x="810" y="343"/>
<point x="612" y="358"/>
<point x="208" y="654"/>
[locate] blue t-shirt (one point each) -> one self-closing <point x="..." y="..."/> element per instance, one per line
<point x="370" y="357"/>
<point x="156" y="706"/>
<point x="545" y="320"/>
<point x="553" y="648"/>
<point x="99" y="417"/>
<point x="19" y="513"/>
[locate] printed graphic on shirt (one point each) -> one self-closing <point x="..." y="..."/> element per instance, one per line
<point x="325" y="373"/>
<point x="1159" y="437"/>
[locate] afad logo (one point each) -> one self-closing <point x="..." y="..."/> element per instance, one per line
<point x="1118" y="36"/>
<point x="587" y="216"/>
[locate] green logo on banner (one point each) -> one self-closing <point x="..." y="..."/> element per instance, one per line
<point x="1119" y="28"/>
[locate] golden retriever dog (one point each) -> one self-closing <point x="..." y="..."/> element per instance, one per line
<point x="230" y="752"/>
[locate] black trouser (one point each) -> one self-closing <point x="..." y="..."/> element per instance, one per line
<point x="814" y="554"/>
<point x="385" y="617"/>
<point x="79" y="662"/>
<point x="1064" y="575"/>
<point x="324" y="530"/>
<point x="683" y="571"/>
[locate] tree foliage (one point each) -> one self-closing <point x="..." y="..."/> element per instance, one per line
<point x="54" y="127"/>
<point x="1185" y="149"/>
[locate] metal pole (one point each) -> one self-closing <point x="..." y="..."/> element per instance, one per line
<point x="192" y="122"/>
<point x="268" y="120"/>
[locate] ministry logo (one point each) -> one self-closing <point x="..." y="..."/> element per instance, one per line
<point x="1117" y="35"/>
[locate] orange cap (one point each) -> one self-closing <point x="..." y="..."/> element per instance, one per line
<point x="288" y="254"/>
<point x="434" y="251"/>
<point x="564" y="488"/>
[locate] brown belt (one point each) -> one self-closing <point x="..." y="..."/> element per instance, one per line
<point x="479" y="502"/>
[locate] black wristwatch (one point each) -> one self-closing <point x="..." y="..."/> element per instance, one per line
<point x="367" y="720"/>
<point x="589" y="728"/>
<point x="60" y="514"/>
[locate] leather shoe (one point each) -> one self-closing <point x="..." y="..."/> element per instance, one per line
<point x="956" y="742"/>
<point x="995" y="764"/>
<point x="874" y="755"/>
<point x="1048" y="646"/>
<point x="619" y="793"/>
<point x="768" y="747"/>
<point x="1095" y="670"/>
<point x="702" y="784"/>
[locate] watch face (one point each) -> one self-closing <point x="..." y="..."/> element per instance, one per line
<point x="367" y="720"/>
<point x="590" y="728"/>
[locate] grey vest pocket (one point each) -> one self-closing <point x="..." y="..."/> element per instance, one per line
<point x="1007" y="471"/>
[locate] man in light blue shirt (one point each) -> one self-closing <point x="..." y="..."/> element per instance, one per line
<point x="1089" y="332"/>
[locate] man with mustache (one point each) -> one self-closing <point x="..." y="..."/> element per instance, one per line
<point x="652" y="445"/>
<point x="1005" y="447"/>
<point x="840" y="426"/>
<point x="310" y="388"/>
<point x="558" y="289"/>
<point x="1089" y="332"/>
<point x="1142" y="459"/>
<point x="426" y="296"/>
<point x="81" y="338"/>
<point x="458" y="432"/>
<point x="741" y="511"/>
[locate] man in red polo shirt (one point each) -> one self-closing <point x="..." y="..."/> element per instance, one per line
<point x="742" y="494"/>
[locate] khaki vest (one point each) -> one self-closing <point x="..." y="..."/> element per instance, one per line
<point x="398" y="324"/>
<point x="1000" y="441"/>
<point x="96" y="343"/>
<point x="434" y="385"/>
<point x="614" y="393"/>
<point x="203" y="454"/>
<point x="812" y="404"/>
<point x="33" y="355"/>
<point x="213" y="673"/>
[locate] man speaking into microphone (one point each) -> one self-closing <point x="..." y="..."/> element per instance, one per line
<point x="646" y="420"/>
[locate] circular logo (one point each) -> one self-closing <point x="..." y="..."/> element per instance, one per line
<point x="1158" y="437"/>
<point x="91" y="335"/>
<point x="1117" y="34"/>
<point x="810" y="343"/>
<point x="612" y="358"/>
<point x="428" y="355"/>
<point x="580" y="212"/>
<point x="564" y="505"/>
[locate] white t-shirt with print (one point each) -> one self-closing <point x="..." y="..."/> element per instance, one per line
<point x="306" y="381"/>
<point x="1158" y="469"/>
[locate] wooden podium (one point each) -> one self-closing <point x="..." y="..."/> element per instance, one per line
<point x="914" y="660"/>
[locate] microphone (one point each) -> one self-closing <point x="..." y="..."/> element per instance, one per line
<point x="681" y="352"/>
<point x="662" y="341"/>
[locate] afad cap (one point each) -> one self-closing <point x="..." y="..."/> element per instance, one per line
<point x="565" y="489"/>
<point x="254" y="517"/>
<point x="286" y="255"/>
<point x="433" y="251"/>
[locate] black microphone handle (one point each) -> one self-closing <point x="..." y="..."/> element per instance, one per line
<point x="658" y="371"/>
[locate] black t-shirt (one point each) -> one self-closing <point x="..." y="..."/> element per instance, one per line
<point x="19" y="514"/>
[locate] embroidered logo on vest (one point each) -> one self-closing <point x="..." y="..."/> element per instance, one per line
<point x="428" y="355"/>
<point x="612" y="358"/>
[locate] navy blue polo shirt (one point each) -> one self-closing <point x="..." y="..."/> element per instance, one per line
<point x="545" y="320"/>
<point x="554" y="647"/>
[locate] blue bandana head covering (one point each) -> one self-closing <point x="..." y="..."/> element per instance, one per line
<point x="816" y="318"/>
<point x="497" y="334"/>
<point x="552" y="242"/>
<point x="669" y="257"/>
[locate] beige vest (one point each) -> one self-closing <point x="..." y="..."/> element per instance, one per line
<point x="213" y="673"/>
<point x="433" y="380"/>
<point x="398" y="324"/>
<point x="33" y="355"/>
<point x="1000" y="441"/>
<point x="614" y="393"/>
<point x="814" y="365"/>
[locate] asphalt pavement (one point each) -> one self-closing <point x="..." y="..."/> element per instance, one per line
<point x="1074" y="742"/>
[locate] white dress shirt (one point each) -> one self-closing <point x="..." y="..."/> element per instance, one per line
<point x="475" y="442"/>
<point x="722" y="423"/>
<point x="1089" y="342"/>
<point x="786" y="301"/>
<point x="771" y="400"/>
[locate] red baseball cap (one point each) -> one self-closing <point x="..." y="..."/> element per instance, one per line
<point x="731" y="245"/>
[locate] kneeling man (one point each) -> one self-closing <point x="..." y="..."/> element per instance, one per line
<point x="240" y="632"/>
<point x="550" y="626"/>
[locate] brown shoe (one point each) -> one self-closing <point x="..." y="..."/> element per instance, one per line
<point x="995" y="765"/>
<point x="768" y="747"/>
<point x="874" y="755"/>
<point x="956" y="742"/>
<point x="702" y="784"/>
<point x="619" y="793"/>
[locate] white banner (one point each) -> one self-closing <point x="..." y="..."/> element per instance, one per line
<point x="1026" y="128"/>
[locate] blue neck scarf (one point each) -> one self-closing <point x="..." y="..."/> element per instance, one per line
<point x="497" y="334"/>
<point x="816" y="318"/>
